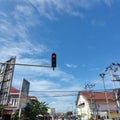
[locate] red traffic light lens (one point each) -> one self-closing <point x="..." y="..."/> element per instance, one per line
<point x="53" y="55"/>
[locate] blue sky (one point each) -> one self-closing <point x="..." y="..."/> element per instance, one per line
<point x="85" y="35"/>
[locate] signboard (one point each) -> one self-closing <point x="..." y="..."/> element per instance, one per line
<point x="24" y="92"/>
<point x="6" y="75"/>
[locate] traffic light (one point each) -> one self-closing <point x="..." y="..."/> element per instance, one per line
<point x="53" y="64"/>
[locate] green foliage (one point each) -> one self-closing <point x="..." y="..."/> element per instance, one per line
<point x="1" y="109"/>
<point x="32" y="110"/>
<point x="43" y="108"/>
<point x="15" y="115"/>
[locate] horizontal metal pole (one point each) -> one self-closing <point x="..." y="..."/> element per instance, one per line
<point x="26" y="64"/>
<point x="115" y="80"/>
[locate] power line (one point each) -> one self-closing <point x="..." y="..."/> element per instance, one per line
<point x="59" y="96"/>
<point x="54" y="91"/>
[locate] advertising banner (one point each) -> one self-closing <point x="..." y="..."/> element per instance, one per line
<point x="6" y="76"/>
<point x="24" y="92"/>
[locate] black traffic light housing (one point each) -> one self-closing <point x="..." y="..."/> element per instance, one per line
<point x="53" y="61"/>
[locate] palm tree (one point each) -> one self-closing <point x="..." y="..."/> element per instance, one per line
<point x="32" y="111"/>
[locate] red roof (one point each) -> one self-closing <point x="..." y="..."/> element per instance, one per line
<point x="14" y="90"/>
<point x="97" y="95"/>
<point x="32" y="97"/>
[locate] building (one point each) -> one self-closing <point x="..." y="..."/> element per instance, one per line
<point x="32" y="98"/>
<point x="51" y="112"/>
<point x="13" y="104"/>
<point x="95" y="105"/>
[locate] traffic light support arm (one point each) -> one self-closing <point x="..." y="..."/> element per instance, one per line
<point x="27" y="65"/>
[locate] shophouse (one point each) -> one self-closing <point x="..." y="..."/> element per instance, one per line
<point x="13" y="104"/>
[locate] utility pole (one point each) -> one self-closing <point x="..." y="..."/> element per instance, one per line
<point x="102" y="75"/>
<point x="92" y="102"/>
<point x="115" y="90"/>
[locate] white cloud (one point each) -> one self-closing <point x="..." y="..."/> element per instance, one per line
<point x="62" y="102"/>
<point x="48" y="8"/>
<point x="25" y="10"/>
<point x="15" y="41"/>
<point x="14" y="37"/>
<point x="108" y="2"/>
<point x="98" y="23"/>
<point x="65" y="80"/>
<point x="71" y="66"/>
<point x="39" y="85"/>
<point x="2" y="14"/>
<point x="19" y="48"/>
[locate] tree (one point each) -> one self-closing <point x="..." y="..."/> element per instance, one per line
<point x="32" y="111"/>
<point x="15" y="115"/>
<point x="43" y="108"/>
<point x="1" y="110"/>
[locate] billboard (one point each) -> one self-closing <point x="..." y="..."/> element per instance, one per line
<point x="6" y="76"/>
<point x="24" y="92"/>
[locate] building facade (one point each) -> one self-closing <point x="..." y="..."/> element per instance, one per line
<point x="51" y="112"/>
<point x="95" y="105"/>
<point x="13" y="104"/>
